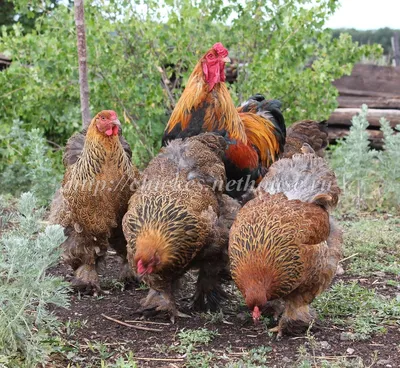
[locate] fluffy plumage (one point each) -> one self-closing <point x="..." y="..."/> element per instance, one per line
<point x="312" y="132"/>
<point x="173" y="222"/>
<point x="283" y="244"/>
<point x="97" y="185"/>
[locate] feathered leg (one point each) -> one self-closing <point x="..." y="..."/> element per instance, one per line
<point x="83" y="253"/>
<point x="118" y="242"/>
<point x="161" y="301"/>
<point x="296" y="318"/>
<point x="209" y="292"/>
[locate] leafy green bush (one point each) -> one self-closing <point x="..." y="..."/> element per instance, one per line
<point x="370" y="179"/>
<point x="28" y="163"/>
<point x="26" y="289"/>
<point x="282" y="47"/>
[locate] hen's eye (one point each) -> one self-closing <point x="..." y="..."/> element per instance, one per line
<point x="103" y="118"/>
<point x="210" y="56"/>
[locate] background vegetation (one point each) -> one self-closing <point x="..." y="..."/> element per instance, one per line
<point x="139" y="57"/>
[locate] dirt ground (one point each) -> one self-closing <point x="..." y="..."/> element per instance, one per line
<point x="91" y="336"/>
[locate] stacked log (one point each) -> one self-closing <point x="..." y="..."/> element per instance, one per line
<point x="4" y="62"/>
<point x="376" y="86"/>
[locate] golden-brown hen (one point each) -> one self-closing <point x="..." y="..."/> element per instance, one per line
<point x="97" y="185"/>
<point x="173" y="222"/>
<point x="283" y="244"/>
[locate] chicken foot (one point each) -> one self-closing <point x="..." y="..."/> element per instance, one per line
<point x="295" y="319"/>
<point x="160" y="301"/>
<point x="86" y="279"/>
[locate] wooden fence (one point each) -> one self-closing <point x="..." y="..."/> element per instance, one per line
<point x="376" y="86"/>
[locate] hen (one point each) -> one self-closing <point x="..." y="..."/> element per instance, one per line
<point x="206" y="105"/>
<point x="311" y="132"/>
<point x="173" y="223"/>
<point x="96" y="188"/>
<point x="283" y="244"/>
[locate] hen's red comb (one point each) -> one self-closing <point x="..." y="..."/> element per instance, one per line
<point x="113" y="115"/>
<point x="220" y="49"/>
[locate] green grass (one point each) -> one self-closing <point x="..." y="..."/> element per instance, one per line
<point x="375" y="244"/>
<point x="362" y="311"/>
<point x="372" y="245"/>
<point x="255" y="358"/>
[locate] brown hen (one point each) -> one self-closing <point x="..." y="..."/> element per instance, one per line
<point x="173" y="223"/>
<point x="97" y="185"/>
<point x="312" y="132"/>
<point x="283" y="244"/>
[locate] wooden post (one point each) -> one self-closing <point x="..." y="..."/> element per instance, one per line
<point x="82" y="58"/>
<point x="396" y="48"/>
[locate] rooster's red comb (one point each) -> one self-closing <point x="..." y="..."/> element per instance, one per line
<point x="220" y="49"/>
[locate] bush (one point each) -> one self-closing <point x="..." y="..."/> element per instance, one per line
<point x="26" y="289"/>
<point x="28" y="163"/>
<point x="370" y="179"/>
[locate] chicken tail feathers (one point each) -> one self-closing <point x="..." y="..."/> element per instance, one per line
<point x="305" y="177"/>
<point x="269" y="110"/>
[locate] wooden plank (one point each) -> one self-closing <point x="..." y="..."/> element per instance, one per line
<point x="372" y="80"/>
<point x="363" y="93"/>
<point x="375" y="136"/>
<point x="343" y="116"/>
<point x="372" y="102"/>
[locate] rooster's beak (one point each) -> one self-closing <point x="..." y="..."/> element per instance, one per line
<point x="226" y="59"/>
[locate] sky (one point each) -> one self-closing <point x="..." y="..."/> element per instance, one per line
<point x="366" y="14"/>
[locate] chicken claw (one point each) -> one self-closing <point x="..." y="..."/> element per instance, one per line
<point x="277" y="330"/>
<point x="156" y="302"/>
<point x="86" y="280"/>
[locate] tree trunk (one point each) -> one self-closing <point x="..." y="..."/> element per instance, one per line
<point x="83" y="78"/>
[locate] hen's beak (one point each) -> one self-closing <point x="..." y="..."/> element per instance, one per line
<point x="226" y="59"/>
<point x="116" y="122"/>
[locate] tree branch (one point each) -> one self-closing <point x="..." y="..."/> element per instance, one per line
<point x="82" y="59"/>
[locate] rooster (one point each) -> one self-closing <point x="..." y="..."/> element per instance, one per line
<point x="284" y="245"/>
<point x="257" y="127"/>
<point x="96" y="188"/>
<point x="174" y="223"/>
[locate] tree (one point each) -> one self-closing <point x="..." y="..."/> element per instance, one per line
<point x="82" y="57"/>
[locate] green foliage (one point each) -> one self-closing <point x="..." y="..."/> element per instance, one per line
<point x="26" y="289"/>
<point x="381" y="36"/>
<point x="189" y="341"/>
<point x="24" y="11"/>
<point x="361" y="310"/>
<point x="255" y="358"/>
<point x="369" y="179"/>
<point x="282" y="47"/>
<point x="122" y="362"/>
<point x="193" y="338"/>
<point x="27" y="163"/>
<point x="374" y="245"/>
